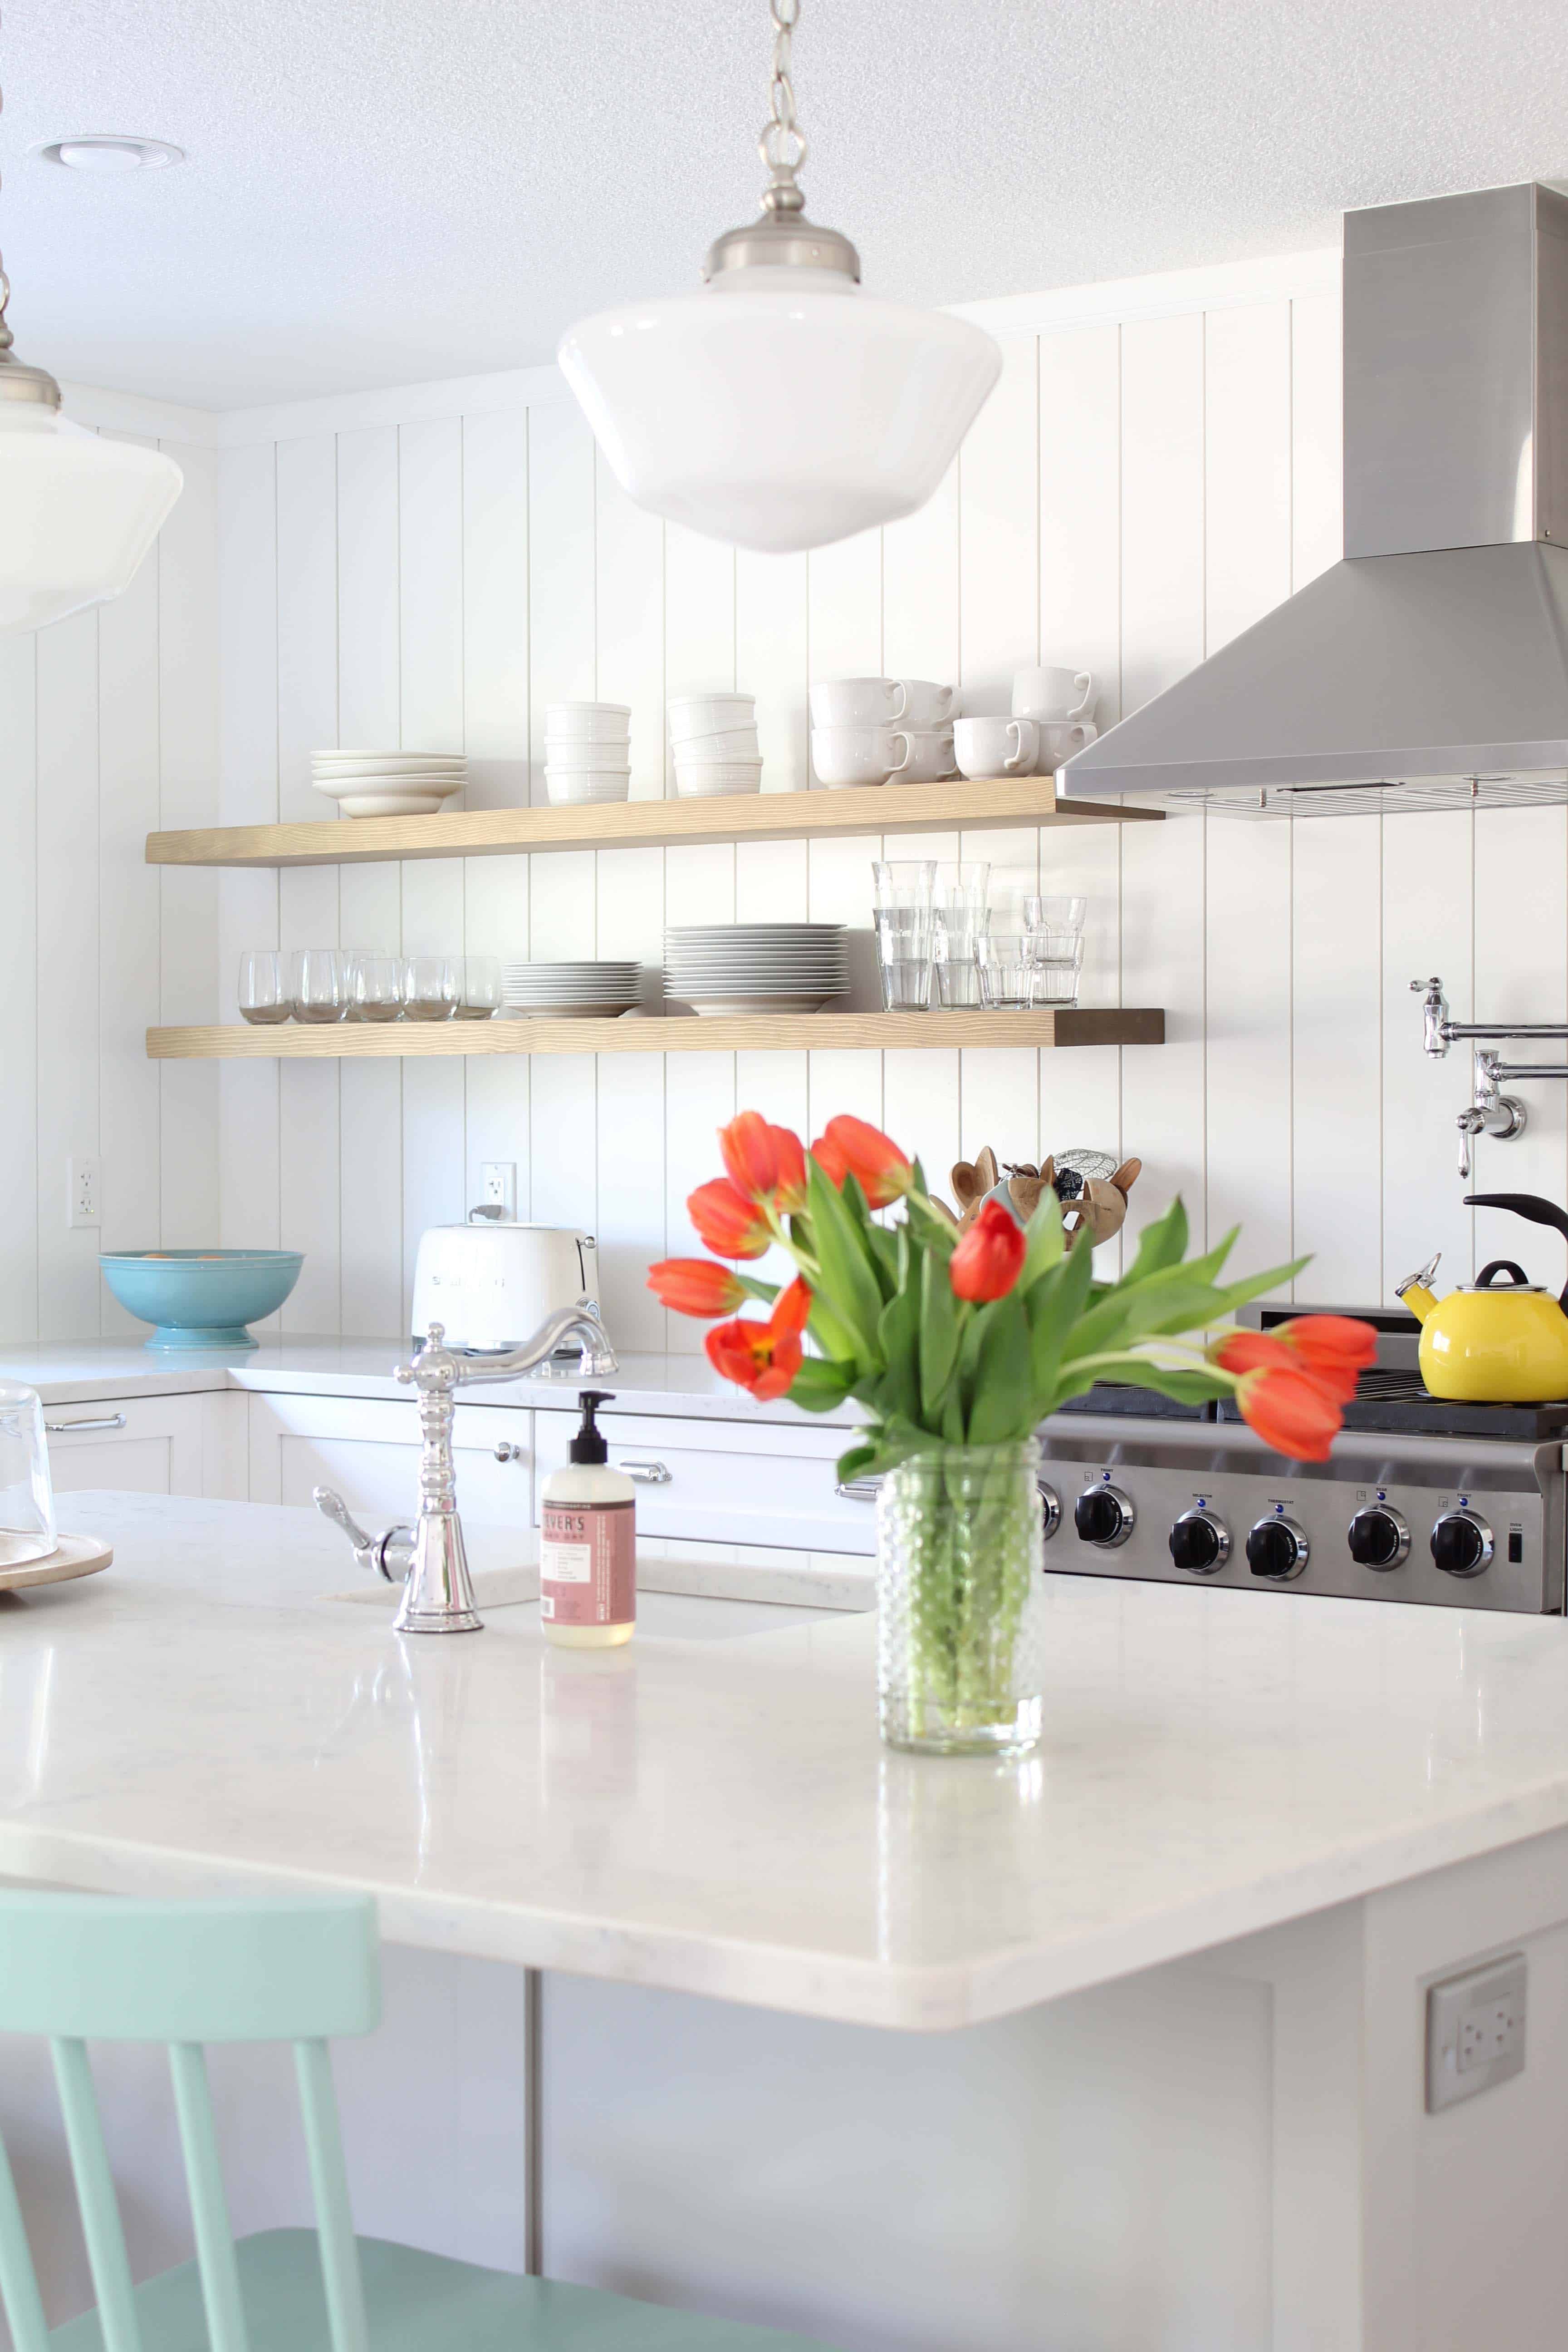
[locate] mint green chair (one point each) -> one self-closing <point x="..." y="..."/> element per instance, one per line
<point x="83" y="1967"/>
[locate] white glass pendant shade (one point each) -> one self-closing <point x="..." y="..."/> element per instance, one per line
<point x="77" y="514"/>
<point x="778" y="408"/>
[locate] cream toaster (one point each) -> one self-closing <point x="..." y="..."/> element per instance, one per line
<point x="491" y="1283"/>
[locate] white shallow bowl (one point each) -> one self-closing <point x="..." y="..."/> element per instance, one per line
<point x="713" y="779"/>
<point x="408" y="762"/>
<point x="367" y="796"/>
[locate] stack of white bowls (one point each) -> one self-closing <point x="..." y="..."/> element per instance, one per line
<point x="714" y="740"/>
<point x="880" y="730"/>
<point x="587" y="752"/>
<point x="556" y="992"/>
<point x="718" y="968"/>
<point x="388" y="783"/>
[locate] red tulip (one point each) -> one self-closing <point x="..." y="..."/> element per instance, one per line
<point x="751" y="1154"/>
<point x="764" y="1357"/>
<point x="1335" y="1349"/>
<point x="791" y="1192"/>
<point x="1291" y="1411"/>
<point x="849" y="1146"/>
<point x="731" y="1226"/>
<point x="989" y="1256"/>
<point x="695" y="1285"/>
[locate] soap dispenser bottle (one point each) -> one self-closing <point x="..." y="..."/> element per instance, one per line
<point x="587" y="1557"/>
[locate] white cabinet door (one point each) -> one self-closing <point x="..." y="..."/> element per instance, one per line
<point x="369" y="1450"/>
<point x="150" y="1445"/>
<point x="720" y="1481"/>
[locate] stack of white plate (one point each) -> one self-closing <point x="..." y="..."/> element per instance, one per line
<point x="553" y="991"/>
<point x="388" y="783"/>
<point x="587" y="752"/>
<point x="755" y="967"/>
<point x="714" y="740"/>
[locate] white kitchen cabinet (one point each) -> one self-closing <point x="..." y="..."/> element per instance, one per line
<point x="369" y="1450"/>
<point x="150" y="1444"/>
<point x="723" y="1482"/>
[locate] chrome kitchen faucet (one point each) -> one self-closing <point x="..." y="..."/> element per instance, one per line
<point x="1489" y="1110"/>
<point x="437" y="1590"/>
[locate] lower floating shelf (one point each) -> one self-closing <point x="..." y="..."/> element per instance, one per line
<point x="755" y="1033"/>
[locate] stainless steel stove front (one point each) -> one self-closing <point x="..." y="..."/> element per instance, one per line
<point x="1446" y="1522"/>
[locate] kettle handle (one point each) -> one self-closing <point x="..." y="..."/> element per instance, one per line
<point x="1531" y="1205"/>
<point x="1519" y="1279"/>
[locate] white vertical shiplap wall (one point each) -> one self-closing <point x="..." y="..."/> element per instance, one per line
<point x="1140" y="488"/>
<point x="108" y="730"/>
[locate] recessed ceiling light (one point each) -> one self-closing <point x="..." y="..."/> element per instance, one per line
<point x="109" y="151"/>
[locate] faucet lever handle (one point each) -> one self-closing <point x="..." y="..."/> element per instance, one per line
<point x="386" y="1555"/>
<point x="331" y="1505"/>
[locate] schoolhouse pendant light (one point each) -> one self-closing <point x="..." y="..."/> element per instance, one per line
<point x="78" y="513"/>
<point x="778" y="407"/>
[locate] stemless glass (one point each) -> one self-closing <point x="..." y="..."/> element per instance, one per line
<point x="906" y="931"/>
<point x="1004" y="958"/>
<point x="481" y="993"/>
<point x="263" y="986"/>
<point x="375" y="987"/>
<point x="26" y="1498"/>
<point x="1056" y="964"/>
<point x="962" y="919"/>
<point x="318" y="983"/>
<point x="429" y="988"/>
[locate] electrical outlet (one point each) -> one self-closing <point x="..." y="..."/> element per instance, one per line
<point x="498" y="1185"/>
<point x="82" y="1190"/>
<point x="1475" y="2030"/>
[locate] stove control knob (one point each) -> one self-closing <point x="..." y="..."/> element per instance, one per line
<point x="1200" y="1542"/>
<point x="1462" y="1544"/>
<point x="1378" y="1538"/>
<point x="1050" y="1510"/>
<point x="1104" y="1516"/>
<point x="1277" y="1549"/>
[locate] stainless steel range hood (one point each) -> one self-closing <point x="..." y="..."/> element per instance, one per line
<point x="1430" y="667"/>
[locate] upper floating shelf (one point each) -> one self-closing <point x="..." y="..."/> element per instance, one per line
<point x="643" y="825"/>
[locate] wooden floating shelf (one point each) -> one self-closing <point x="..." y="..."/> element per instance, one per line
<point x="645" y="824"/>
<point x="757" y="1033"/>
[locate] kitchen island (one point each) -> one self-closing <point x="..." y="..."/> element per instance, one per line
<point x="1119" y="2045"/>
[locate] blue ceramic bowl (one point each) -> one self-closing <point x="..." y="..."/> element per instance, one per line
<point x="201" y="1299"/>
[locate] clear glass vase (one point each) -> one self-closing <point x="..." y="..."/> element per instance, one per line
<point x="959" y="1601"/>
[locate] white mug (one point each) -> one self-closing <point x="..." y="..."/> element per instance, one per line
<point x="858" y="755"/>
<point x="879" y="702"/>
<point x="1052" y="694"/>
<point x="931" y="755"/>
<point x="997" y="747"/>
<point x="1060" y="739"/>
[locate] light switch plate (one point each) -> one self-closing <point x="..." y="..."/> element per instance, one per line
<point x="1475" y="2030"/>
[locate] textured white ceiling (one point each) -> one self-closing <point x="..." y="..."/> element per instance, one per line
<point x="380" y="191"/>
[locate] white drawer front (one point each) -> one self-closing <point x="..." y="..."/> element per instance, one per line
<point x="712" y="1481"/>
<point x="369" y="1450"/>
<point x="140" y="1446"/>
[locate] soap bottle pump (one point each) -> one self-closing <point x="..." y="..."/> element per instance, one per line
<point x="588" y="1553"/>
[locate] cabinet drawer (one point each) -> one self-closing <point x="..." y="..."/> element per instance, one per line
<point x="147" y="1445"/>
<point x="712" y="1482"/>
<point x="369" y="1450"/>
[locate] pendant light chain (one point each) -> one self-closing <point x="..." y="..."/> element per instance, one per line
<point x="6" y="337"/>
<point x="783" y="143"/>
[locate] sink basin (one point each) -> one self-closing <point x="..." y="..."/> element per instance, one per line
<point x="661" y="1616"/>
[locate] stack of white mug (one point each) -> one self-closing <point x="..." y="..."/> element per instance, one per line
<point x="713" y="738"/>
<point x="1052" y="718"/>
<point x="873" y="730"/>
<point x="587" y="752"/>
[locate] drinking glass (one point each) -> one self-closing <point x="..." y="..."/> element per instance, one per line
<point x="26" y="1499"/>
<point x="1055" y="914"/>
<point x="375" y="987"/>
<point x="906" y="931"/>
<point x="481" y="993"/>
<point x="429" y="988"/>
<point x="961" y="919"/>
<point x="263" y="986"/>
<point x="1055" y="965"/>
<point x="1004" y="971"/>
<point x="318" y="983"/>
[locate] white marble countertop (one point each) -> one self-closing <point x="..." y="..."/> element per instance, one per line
<point x="85" y="1371"/>
<point x="717" y="1814"/>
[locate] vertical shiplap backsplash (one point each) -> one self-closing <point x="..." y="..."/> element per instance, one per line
<point x="1138" y="490"/>
<point x="108" y="730"/>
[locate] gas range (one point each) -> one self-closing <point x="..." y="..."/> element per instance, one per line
<point x="1451" y="1506"/>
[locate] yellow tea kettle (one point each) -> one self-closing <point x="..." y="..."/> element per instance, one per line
<point x="1490" y="1343"/>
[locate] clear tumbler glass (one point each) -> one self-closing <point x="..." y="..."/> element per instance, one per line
<point x="26" y="1498"/>
<point x="317" y="981"/>
<point x="375" y="987"/>
<point x="263" y="986"/>
<point x="429" y="988"/>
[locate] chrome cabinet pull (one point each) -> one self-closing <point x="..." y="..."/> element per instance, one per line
<point x="96" y="1421"/>
<point x="647" y="1473"/>
<point x="857" y="1490"/>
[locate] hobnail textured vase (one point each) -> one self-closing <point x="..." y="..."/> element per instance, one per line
<point x="961" y="1601"/>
